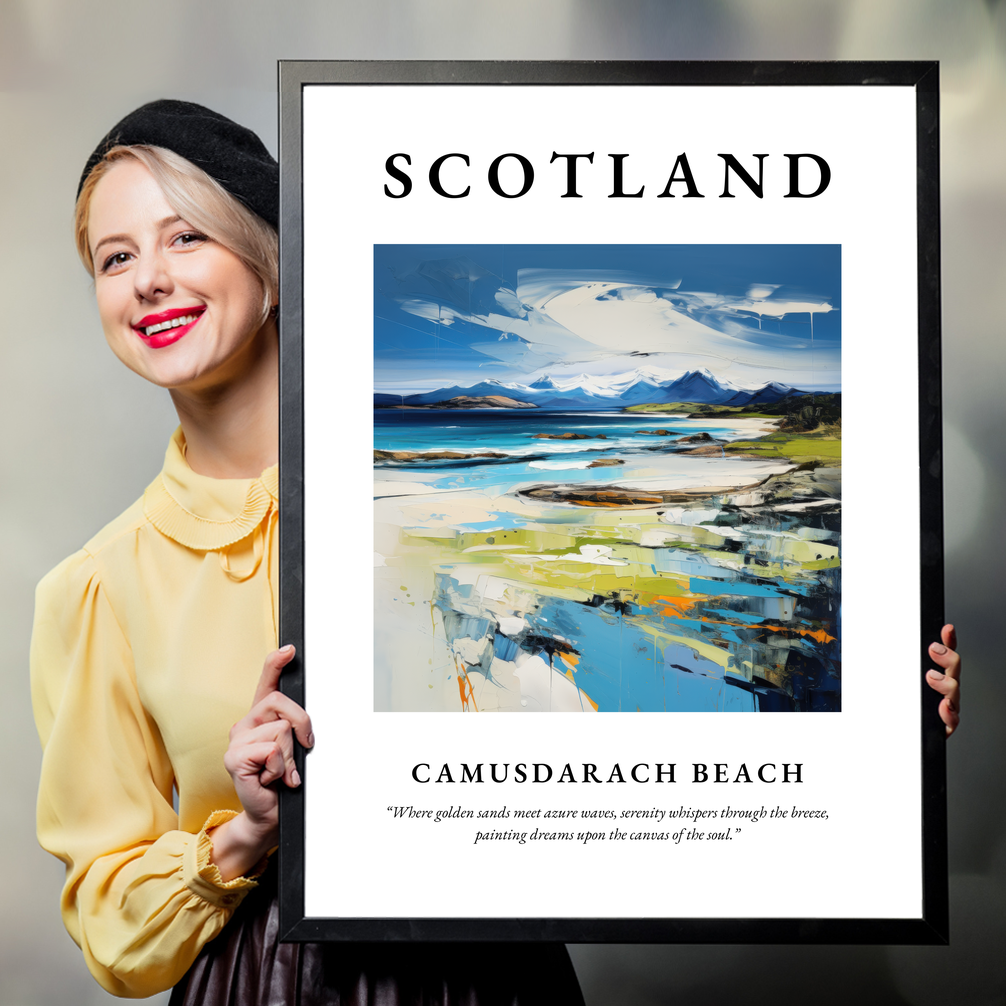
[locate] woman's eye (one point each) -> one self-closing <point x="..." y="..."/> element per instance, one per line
<point x="190" y="238"/>
<point x="114" y="261"/>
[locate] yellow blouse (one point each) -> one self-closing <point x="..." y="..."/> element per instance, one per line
<point x="147" y="647"/>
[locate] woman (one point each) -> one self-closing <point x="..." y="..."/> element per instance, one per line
<point x="149" y="642"/>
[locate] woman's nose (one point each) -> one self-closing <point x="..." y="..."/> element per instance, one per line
<point x="152" y="277"/>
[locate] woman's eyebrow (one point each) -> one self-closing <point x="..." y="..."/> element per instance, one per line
<point x="109" y="240"/>
<point x="160" y="225"/>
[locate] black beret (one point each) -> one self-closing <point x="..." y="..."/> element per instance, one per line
<point x="230" y="154"/>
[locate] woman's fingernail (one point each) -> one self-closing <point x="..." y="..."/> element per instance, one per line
<point x="938" y="648"/>
<point x="286" y="649"/>
<point x="310" y="740"/>
<point x="936" y="675"/>
<point x="295" y="777"/>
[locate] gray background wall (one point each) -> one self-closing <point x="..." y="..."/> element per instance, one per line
<point x="82" y="436"/>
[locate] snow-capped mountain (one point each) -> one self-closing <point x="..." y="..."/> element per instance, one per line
<point x="612" y="392"/>
<point x="765" y="395"/>
<point x="699" y="386"/>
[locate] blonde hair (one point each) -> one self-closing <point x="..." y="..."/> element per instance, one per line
<point x="199" y="200"/>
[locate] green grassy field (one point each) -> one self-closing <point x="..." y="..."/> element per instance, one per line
<point x="810" y="427"/>
<point x="814" y="446"/>
<point x="699" y="409"/>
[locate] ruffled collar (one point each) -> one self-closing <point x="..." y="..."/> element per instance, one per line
<point x="203" y="513"/>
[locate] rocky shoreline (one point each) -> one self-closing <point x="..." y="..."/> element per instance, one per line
<point x="805" y="488"/>
<point x="433" y="455"/>
<point x="623" y="496"/>
<point x="569" y="436"/>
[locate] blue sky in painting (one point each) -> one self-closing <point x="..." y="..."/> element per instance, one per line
<point x="591" y="314"/>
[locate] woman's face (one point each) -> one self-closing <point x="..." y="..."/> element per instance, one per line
<point x="177" y="308"/>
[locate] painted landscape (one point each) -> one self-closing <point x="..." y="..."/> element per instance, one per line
<point x="607" y="478"/>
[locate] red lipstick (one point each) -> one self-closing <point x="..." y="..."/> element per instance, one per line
<point x="166" y="327"/>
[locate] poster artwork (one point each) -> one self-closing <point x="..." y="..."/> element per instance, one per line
<point x="583" y="431"/>
<point x="607" y="477"/>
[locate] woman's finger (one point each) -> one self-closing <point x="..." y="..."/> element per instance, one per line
<point x="947" y="681"/>
<point x="944" y="684"/>
<point x="273" y="766"/>
<point x="950" y="689"/>
<point x="950" y="716"/>
<point x="277" y="706"/>
<point x="277" y="732"/>
<point x="948" y="659"/>
<point x="260" y="760"/>
<point x="271" y="671"/>
<point x="949" y="636"/>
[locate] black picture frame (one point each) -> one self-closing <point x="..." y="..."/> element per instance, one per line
<point x="931" y="927"/>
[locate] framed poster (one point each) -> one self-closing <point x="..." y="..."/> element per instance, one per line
<point x="610" y="393"/>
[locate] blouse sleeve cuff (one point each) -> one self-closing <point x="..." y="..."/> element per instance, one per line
<point x="202" y="876"/>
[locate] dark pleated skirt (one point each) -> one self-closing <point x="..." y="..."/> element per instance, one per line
<point x="246" y="965"/>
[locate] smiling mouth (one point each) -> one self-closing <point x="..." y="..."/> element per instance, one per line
<point x="167" y="327"/>
<point x="165" y="324"/>
<point x="185" y="319"/>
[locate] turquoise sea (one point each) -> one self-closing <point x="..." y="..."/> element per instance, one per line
<point x="527" y="458"/>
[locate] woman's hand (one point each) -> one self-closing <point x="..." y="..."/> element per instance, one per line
<point x="947" y="682"/>
<point x="260" y="753"/>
